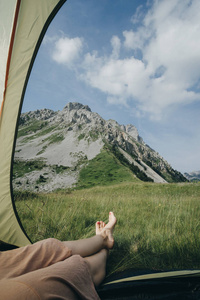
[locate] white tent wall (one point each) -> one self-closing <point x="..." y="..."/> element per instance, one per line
<point x="32" y="22"/>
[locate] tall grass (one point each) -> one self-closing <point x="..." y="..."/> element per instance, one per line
<point x="158" y="224"/>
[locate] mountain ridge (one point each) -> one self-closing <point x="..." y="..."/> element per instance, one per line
<point x="73" y="137"/>
<point x="193" y="176"/>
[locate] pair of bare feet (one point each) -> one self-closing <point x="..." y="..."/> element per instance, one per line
<point x="95" y="249"/>
<point x="106" y="231"/>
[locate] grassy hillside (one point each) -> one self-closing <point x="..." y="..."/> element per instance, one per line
<point x="104" y="169"/>
<point x="158" y="224"/>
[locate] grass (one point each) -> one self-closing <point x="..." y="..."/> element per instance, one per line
<point x="34" y="126"/>
<point x="54" y="138"/>
<point x="81" y="136"/>
<point x="158" y="224"/>
<point x="20" y="168"/>
<point x="39" y="128"/>
<point x="104" y="169"/>
<point x="94" y="135"/>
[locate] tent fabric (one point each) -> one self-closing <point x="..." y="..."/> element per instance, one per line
<point x="149" y="284"/>
<point x="32" y="21"/>
<point x="8" y="50"/>
<point x="169" y="274"/>
<point x="6" y="24"/>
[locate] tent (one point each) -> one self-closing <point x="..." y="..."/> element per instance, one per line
<point x="23" y="24"/>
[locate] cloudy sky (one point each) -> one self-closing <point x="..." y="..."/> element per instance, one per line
<point x="135" y="61"/>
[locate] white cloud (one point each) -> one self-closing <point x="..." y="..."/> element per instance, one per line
<point x="116" y="44"/>
<point x="169" y="40"/>
<point x="138" y="16"/>
<point x="67" y="50"/>
<point x="132" y="40"/>
<point x="118" y="78"/>
<point x="165" y="73"/>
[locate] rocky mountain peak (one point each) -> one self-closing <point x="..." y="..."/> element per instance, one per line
<point x="76" y="106"/>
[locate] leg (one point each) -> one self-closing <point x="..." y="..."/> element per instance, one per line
<point x="97" y="266"/>
<point x="26" y="259"/>
<point x="69" y="279"/>
<point x="98" y="247"/>
<point x="86" y="247"/>
<point x="103" y="239"/>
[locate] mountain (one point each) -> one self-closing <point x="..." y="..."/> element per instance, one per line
<point x="54" y="147"/>
<point x="193" y="176"/>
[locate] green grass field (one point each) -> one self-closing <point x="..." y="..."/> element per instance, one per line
<point x="158" y="224"/>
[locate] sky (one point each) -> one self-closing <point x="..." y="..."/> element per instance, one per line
<point x="137" y="62"/>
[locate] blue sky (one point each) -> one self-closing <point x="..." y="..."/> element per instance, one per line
<point x="135" y="61"/>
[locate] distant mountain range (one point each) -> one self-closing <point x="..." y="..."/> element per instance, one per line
<point x="193" y="176"/>
<point x="52" y="147"/>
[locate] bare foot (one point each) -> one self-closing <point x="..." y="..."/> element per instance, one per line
<point x="99" y="226"/>
<point x="106" y="230"/>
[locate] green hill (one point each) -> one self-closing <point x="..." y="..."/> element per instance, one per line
<point x="105" y="169"/>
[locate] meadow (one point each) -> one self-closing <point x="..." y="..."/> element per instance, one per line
<point x="158" y="225"/>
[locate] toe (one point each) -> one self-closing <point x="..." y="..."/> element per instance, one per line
<point x="112" y="218"/>
<point x="101" y="225"/>
<point x="97" y="227"/>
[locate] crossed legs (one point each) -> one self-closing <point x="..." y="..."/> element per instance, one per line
<point x="95" y="250"/>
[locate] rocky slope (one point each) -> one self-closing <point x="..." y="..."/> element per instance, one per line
<point x="53" y="146"/>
